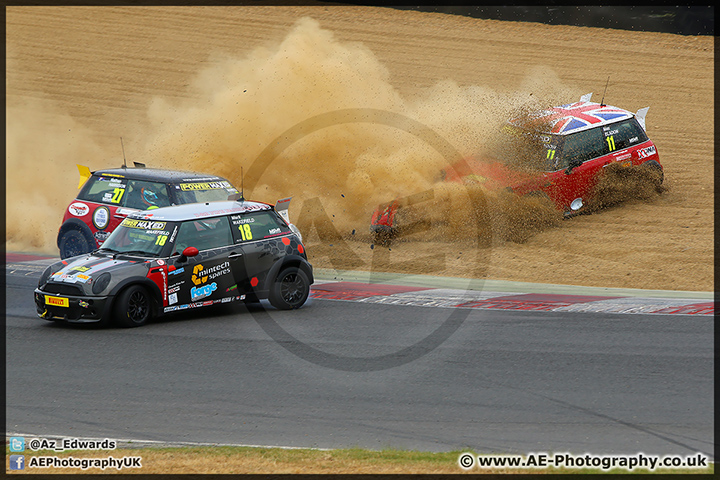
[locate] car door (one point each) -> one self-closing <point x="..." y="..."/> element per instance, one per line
<point x="206" y="278"/>
<point x="582" y="156"/>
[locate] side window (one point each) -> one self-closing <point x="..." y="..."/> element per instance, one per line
<point x="582" y="146"/>
<point x="257" y="226"/>
<point x="203" y="234"/>
<point x="623" y="135"/>
<point x="146" y="195"/>
<point x="102" y="189"/>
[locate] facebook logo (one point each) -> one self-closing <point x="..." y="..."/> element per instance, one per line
<point x="17" y="444"/>
<point x="17" y="462"/>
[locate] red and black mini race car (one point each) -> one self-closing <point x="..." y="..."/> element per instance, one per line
<point x="560" y="153"/>
<point x="107" y="196"/>
<point x="182" y="257"/>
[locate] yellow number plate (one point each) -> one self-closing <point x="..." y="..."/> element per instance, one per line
<point x="57" y="301"/>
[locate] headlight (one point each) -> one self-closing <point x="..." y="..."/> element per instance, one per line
<point x="46" y="274"/>
<point x="100" y="283"/>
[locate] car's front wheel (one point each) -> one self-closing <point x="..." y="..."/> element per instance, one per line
<point x="133" y="307"/>
<point x="73" y="243"/>
<point x="290" y="289"/>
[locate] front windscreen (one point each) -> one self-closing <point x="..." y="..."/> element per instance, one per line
<point x="203" y="191"/>
<point x="139" y="237"/>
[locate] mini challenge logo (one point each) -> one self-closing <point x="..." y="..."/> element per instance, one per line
<point x="380" y="255"/>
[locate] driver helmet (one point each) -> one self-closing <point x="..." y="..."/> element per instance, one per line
<point x="149" y="197"/>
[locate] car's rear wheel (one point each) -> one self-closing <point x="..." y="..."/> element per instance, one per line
<point x="133" y="307"/>
<point x="656" y="173"/>
<point x="290" y="289"/>
<point x="73" y="243"/>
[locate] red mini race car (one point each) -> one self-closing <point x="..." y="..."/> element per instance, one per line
<point x="107" y="196"/>
<point x="560" y="153"/>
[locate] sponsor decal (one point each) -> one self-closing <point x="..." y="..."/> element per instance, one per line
<point x="172" y="299"/>
<point x="78" y="209"/>
<point x="101" y="218"/>
<point x="176" y="271"/>
<point x="82" y="278"/>
<point x="101" y="236"/>
<point x="144" y="224"/>
<point x="197" y="293"/>
<point x="80" y="268"/>
<point x="204" y="185"/>
<point x="57" y="301"/>
<point x="646" y="152"/>
<point x="201" y="274"/>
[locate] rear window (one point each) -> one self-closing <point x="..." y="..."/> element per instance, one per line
<point x="623" y="135"/>
<point x="257" y="226"/>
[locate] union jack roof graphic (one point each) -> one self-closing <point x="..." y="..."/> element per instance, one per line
<point x="573" y="117"/>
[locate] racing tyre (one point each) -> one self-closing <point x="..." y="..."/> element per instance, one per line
<point x="73" y="243"/>
<point x="133" y="307"/>
<point x="290" y="289"/>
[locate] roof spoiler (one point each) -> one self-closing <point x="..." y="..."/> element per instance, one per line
<point x="586" y="97"/>
<point x="640" y="115"/>
<point x="281" y="206"/>
<point x="85" y="174"/>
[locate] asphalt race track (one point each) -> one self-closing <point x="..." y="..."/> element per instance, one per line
<point x="343" y="373"/>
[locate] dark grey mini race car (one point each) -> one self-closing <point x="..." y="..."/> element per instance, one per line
<point x="181" y="257"/>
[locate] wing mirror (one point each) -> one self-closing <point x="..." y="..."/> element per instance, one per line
<point x="188" y="252"/>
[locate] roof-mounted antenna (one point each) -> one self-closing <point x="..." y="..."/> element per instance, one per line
<point x="123" y="150"/>
<point x="238" y="197"/>
<point x="602" y="102"/>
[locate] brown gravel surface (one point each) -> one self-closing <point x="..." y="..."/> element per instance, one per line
<point x="208" y="87"/>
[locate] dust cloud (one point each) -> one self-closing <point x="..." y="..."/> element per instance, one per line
<point x="236" y="107"/>
<point x="43" y="146"/>
<point x="239" y="106"/>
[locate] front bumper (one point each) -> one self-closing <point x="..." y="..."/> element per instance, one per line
<point x="71" y="308"/>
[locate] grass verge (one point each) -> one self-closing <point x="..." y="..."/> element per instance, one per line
<point x="258" y="460"/>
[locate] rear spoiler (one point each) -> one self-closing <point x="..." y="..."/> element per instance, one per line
<point x="640" y="115"/>
<point x="281" y="206"/>
<point x="85" y="174"/>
